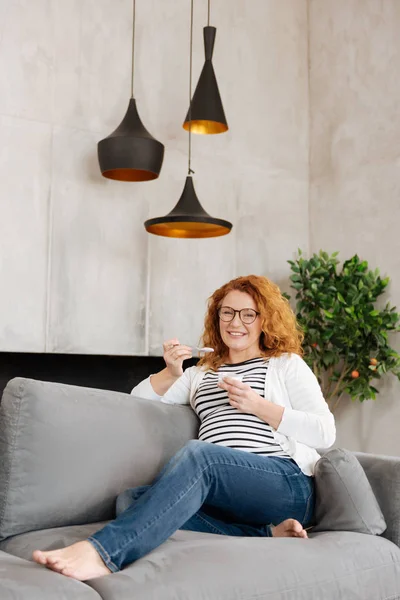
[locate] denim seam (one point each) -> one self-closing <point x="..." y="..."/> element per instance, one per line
<point x="211" y="525"/>
<point x="233" y="464"/>
<point x="229" y="464"/>
<point x="303" y="522"/>
<point x="108" y="560"/>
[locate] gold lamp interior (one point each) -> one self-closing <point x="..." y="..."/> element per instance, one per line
<point x="205" y="127"/>
<point x="130" y="175"/>
<point x="185" y="229"/>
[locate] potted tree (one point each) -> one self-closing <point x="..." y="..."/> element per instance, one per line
<point x="346" y="341"/>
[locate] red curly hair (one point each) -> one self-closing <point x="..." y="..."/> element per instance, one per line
<point x="280" y="330"/>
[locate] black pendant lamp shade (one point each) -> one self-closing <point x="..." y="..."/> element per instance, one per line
<point x="130" y="153"/>
<point x="188" y="219"/>
<point x="207" y="112"/>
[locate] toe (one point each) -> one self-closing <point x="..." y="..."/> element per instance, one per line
<point x="39" y="557"/>
<point x="55" y="564"/>
<point x="297" y="526"/>
<point x="301" y="534"/>
<point x="293" y="526"/>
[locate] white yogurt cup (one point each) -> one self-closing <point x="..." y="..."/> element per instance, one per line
<point x="237" y="376"/>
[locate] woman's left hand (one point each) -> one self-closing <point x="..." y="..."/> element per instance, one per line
<point x="241" y="396"/>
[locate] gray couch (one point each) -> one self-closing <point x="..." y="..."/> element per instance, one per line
<point x="65" y="454"/>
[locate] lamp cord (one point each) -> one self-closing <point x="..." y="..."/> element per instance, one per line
<point x="190" y="89"/>
<point x="133" y="44"/>
<point x="208" y="13"/>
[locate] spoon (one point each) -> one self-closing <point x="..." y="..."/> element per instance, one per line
<point x="195" y="349"/>
<point x="204" y="350"/>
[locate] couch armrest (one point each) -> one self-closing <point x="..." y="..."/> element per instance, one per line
<point x="383" y="473"/>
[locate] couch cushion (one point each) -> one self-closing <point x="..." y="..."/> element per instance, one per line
<point x="22" y="580"/>
<point x="344" y="497"/>
<point x="203" y="566"/>
<point x="328" y="566"/>
<point x="67" y="451"/>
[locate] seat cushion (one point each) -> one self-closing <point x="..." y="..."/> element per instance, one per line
<point x="47" y="539"/>
<point x="22" y="580"/>
<point x="203" y="566"/>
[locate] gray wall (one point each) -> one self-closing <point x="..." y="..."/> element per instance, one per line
<point x="354" y="169"/>
<point x="78" y="271"/>
<point x="311" y="160"/>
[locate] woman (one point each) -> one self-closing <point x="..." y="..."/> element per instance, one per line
<point x="250" y="473"/>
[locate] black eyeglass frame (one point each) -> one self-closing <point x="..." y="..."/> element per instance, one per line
<point x="240" y="316"/>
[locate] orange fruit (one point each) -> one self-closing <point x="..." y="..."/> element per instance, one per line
<point x="355" y="374"/>
<point x="373" y="361"/>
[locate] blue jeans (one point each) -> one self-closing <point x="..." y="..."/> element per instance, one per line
<point x="209" y="488"/>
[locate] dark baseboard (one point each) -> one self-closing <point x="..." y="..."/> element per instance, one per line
<point x="119" y="373"/>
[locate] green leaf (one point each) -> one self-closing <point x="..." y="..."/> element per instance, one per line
<point x="327" y="334"/>
<point x="295" y="278"/>
<point x="328" y="314"/>
<point x="329" y="358"/>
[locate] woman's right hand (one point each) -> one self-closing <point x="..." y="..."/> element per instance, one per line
<point x="174" y="355"/>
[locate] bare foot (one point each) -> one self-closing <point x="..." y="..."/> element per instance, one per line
<point x="289" y="528"/>
<point x="80" y="561"/>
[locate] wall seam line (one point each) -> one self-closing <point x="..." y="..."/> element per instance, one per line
<point x="309" y="126"/>
<point x="49" y="249"/>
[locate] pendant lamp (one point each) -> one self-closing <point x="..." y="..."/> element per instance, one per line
<point x="207" y="112"/>
<point x="188" y="219"/>
<point x="130" y="153"/>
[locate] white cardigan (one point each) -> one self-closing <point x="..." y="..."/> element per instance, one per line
<point x="307" y="422"/>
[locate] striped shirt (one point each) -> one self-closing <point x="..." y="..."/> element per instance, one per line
<point x="223" y="424"/>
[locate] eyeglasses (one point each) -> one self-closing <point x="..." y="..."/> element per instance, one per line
<point x="246" y="315"/>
